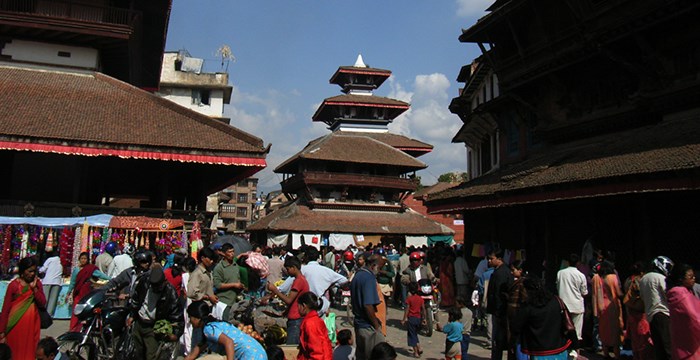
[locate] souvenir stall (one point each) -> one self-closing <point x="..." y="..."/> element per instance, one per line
<point x="37" y="236"/>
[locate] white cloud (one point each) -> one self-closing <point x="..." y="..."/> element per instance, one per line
<point x="430" y="121"/>
<point x="472" y="8"/>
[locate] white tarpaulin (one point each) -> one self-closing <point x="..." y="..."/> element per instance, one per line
<point x="276" y="240"/>
<point x="341" y="241"/>
<point x="416" y="241"/>
<point x="309" y="239"/>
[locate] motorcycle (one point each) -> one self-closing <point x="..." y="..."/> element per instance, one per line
<point x="103" y="327"/>
<point x="431" y="299"/>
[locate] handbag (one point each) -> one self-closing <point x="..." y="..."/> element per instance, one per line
<point x="567" y="325"/>
<point x="45" y="317"/>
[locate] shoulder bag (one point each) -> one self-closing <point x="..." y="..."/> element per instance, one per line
<point x="45" y="317"/>
<point x="567" y="325"/>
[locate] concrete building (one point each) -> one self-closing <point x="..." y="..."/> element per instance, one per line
<point x="184" y="82"/>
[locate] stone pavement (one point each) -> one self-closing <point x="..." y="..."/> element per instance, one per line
<point x="433" y="346"/>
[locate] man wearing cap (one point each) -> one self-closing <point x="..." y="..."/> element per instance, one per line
<point x="154" y="299"/>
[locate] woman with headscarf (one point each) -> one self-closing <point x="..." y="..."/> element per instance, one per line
<point x="685" y="313"/>
<point x="606" y="306"/>
<point x="80" y="284"/>
<point x="20" y="324"/>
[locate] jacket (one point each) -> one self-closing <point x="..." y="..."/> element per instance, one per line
<point x="410" y="274"/>
<point x="497" y="294"/>
<point x="167" y="306"/>
<point x="314" y="343"/>
<point x="540" y="329"/>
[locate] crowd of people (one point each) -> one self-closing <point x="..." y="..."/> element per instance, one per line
<point x="657" y="300"/>
<point x="522" y="316"/>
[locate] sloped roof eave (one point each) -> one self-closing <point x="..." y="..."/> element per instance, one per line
<point x="299" y="218"/>
<point x="147" y="154"/>
<point x="94" y="111"/>
<point x="659" y="157"/>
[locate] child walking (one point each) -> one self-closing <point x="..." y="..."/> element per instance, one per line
<point x="453" y="332"/>
<point x="467" y="317"/>
<point x="415" y="315"/>
<point x="314" y="342"/>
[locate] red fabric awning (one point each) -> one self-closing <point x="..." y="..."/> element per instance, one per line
<point x="132" y="154"/>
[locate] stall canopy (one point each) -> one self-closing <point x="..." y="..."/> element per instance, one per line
<point x="447" y="239"/>
<point x="341" y="241"/>
<point x="416" y="241"/>
<point x="102" y="220"/>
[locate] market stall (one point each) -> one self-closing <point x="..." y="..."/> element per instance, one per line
<point x="38" y="236"/>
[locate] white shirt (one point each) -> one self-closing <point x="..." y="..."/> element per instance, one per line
<point x="320" y="279"/>
<point x="652" y="289"/>
<point x="572" y="287"/>
<point x="119" y="264"/>
<point x="53" y="271"/>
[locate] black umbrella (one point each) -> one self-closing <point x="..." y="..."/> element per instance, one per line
<point x="240" y="245"/>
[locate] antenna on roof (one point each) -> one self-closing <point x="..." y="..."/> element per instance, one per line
<point x="359" y="62"/>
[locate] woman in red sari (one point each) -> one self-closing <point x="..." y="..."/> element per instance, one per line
<point x="80" y="284"/>
<point x="20" y="324"/>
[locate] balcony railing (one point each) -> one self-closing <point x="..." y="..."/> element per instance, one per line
<point x="327" y="178"/>
<point x="70" y="10"/>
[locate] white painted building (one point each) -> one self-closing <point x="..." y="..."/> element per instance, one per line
<point x="183" y="82"/>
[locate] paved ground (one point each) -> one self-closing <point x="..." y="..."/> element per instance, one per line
<point x="396" y="335"/>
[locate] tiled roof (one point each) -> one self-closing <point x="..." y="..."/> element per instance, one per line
<point x="92" y="109"/>
<point x="662" y="151"/>
<point x="364" y="70"/>
<point x="436" y="188"/>
<point x="351" y="148"/>
<point x="366" y="99"/>
<point x="397" y="141"/>
<point x="299" y="218"/>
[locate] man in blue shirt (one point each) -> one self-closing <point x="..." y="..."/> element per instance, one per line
<point x="364" y="298"/>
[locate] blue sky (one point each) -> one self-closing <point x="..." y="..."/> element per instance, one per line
<point x="286" y="51"/>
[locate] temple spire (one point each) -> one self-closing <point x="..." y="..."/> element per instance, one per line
<point x="359" y="62"/>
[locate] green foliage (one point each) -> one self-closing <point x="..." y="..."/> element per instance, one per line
<point x="452" y="177"/>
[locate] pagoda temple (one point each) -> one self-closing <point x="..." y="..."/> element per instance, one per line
<point x="349" y="186"/>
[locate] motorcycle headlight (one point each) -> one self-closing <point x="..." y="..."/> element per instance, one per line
<point x="426" y="289"/>
<point x="78" y="309"/>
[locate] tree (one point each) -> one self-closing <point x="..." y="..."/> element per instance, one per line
<point x="451" y="177"/>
